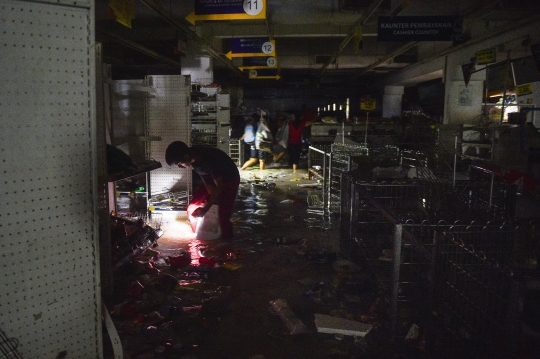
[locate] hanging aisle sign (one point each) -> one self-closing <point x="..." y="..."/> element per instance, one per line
<point x="419" y="28"/>
<point x="488" y="56"/>
<point x="368" y="104"/>
<point x="227" y="10"/>
<point x="264" y="74"/>
<point x="123" y="11"/>
<point x="252" y="46"/>
<point x="258" y="62"/>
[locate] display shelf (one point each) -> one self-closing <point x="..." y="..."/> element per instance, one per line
<point x="145" y="165"/>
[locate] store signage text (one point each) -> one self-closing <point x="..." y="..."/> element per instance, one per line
<point x="251" y="47"/>
<point x="418" y="28"/>
<point x="258" y="62"/>
<point x="227" y="10"/>
<point x="264" y="74"/>
<point x="525" y="89"/>
<point x="486" y="56"/>
<point x="368" y="104"/>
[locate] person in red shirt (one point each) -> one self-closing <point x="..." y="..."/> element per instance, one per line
<point x="294" y="144"/>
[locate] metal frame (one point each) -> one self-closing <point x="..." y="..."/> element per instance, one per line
<point x="50" y="192"/>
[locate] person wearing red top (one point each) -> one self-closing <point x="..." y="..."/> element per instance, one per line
<point x="294" y="144"/>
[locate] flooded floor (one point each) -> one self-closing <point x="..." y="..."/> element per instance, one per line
<point x="191" y="298"/>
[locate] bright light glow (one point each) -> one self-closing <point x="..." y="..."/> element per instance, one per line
<point x="177" y="230"/>
<point x="333" y="107"/>
<point x="347" y="109"/>
<point x="328" y="107"/>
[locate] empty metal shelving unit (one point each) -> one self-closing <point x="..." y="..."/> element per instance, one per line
<point x="236" y="151"/>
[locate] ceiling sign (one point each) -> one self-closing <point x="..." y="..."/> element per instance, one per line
<point x="525" y="89"/>
<point x="419" y="28"/>
<point x="486" y="56"/>
<point x="251" y="46"/>
<point x="258" y="62"/>
<point x="264" y="74"/>
<point x="123" y="11"/>
<point x="368" y="104"/>
<point x="228" y="10"/>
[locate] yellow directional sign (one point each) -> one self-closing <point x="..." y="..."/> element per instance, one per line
<point x="252" y="10"/>
<point x="263" y="74"/>
<point x="368" y="104"/>
<point x="277" y="77"/>
<point x="123" y="11"/>
<point x="268" y="49"/>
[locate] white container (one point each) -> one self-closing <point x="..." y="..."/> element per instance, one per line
<point x="208" y="226"/>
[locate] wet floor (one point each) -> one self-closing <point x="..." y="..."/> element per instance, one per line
<point x="213" y="299"/>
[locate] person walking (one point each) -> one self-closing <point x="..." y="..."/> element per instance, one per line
<point x="294" y="143"/>
<point x="259" y="140"/>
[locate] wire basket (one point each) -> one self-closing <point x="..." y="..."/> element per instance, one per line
<point x="315" y="199"/>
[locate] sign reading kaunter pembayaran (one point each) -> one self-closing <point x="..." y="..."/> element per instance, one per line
<point x="419" y="28"/>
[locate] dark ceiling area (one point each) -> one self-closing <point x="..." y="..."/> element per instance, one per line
<point x="317" y="42"/>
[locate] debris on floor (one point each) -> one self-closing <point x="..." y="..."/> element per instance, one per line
<point x="186" y="298"/>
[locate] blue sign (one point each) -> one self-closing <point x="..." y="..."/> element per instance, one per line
<point x="248" y="45"/>
<point x="206" y="7"/>
<point x="256" y="61"/>
<point x="419" y="28"/>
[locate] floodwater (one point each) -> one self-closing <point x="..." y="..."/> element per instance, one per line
<point x="222" y="299"/>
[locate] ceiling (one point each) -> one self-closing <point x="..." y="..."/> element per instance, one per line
<point x="315" y="40"/>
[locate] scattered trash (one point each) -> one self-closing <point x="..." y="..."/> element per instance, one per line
<point x="231" y="266"/>
<point x="268" y="185"/>
<point x="180" y="261"/>
<point x="287" y="241"/>
<point x="322" y="256"/>
<point x="333" y="325"/>
<point x="281" y="308"/>
<point x="387" y="255"/>
<point x="413" y="333"/>
<point x="207" y="261"/>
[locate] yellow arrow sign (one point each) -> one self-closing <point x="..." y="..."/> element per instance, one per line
<point x="277" y="77"/>
<point x="271" y="52"/>
<point x="252" y="12"/>
<point x="242" y="68"/>
<point x="230" y="54"/>
<point x="260" y="75"/>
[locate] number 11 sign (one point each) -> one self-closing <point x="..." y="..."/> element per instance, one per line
<point x="227" y="10"/>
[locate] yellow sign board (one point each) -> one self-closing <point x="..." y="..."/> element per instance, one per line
<point x="368" y="104"/>
<point x="123" y="11"/>
<point x="486" y="56"/>
<point x="263" y="75"/>
<point x="525" y="89"/>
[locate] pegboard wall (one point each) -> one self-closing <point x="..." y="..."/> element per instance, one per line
<point x="49" y="273"/>
<point x="168" y="114"/>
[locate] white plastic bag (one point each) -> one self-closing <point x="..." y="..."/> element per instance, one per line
<point x="208" y="226"/>
<point x="282" y="135"/>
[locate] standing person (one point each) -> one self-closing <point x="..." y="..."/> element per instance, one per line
<point x="281" y="137"/>
<point x="294" y="144"/>
<point x="308" y="116"/>
<point x="220" y="180"/>
<point x="256" y="131"/>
